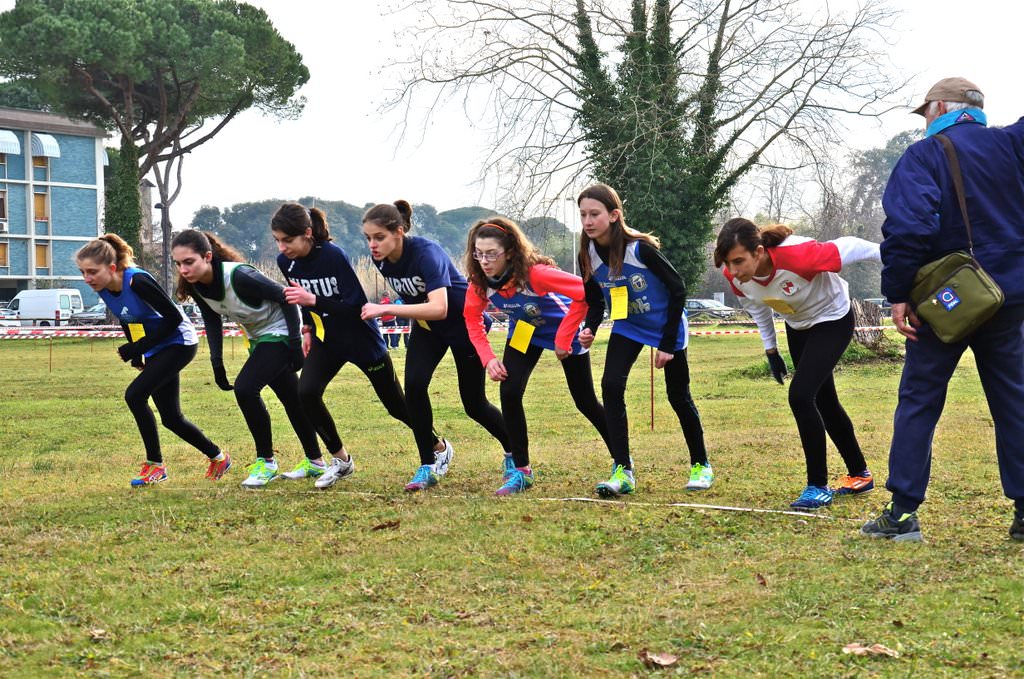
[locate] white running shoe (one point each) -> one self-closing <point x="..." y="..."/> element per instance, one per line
<point x="336" y="470"/>
<point x="260" y="474"/>
<point x="305" y="470"/>
<point x="443" y="458"/>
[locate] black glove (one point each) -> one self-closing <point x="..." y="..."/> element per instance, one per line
<point x="127" y="352"/>
<point x="777" y="365"/>
<point x="295" y="357"/>
<point x="221" y="377"/>
<point x="137" y="362"/>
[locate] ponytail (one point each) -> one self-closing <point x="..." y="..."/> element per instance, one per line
<point x="292" y="219"/>
<point x="743" y="232"/>
<point x="397" y="215"/>
<point x="106" y="250"/>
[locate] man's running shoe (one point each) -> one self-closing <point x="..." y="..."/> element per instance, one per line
<point x="508" y="466"/>
<point x="855" y="485"/>
<point x="1017" y="527"/>
<point x="622" y="482"/>
<point x="217" y="468"/>
<point x="336" y="471"/>
<point x="260" y="474"/>
<point x="517" y="481"/>
<point x="424" y="478"/>
<point x="150" y="474"/>
<point x="701" y="477"/>
<point x="813" y="497"/>
<point x="443" y="458"/>
<point x="903" y="528"/>
<point x="305" y="470"/>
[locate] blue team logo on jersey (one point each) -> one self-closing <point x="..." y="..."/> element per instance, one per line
<point x="948" y="299"/>
<point x="638" y="282"/>
<point x="531" y="310"/>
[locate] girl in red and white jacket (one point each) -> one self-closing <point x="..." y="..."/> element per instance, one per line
<point x="769" y="270"/>
<point x="545" y="307"/>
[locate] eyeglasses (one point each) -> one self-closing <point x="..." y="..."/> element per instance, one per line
<point x="487" y="256"/>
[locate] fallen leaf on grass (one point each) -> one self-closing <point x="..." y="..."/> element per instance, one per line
<point x="873" y="649"/>
<point x="656" y="660"/>
<point x="98" y="634"/>
<point x="761" y="580"/>
<point x="527" y="518"/>
<point x="388" y="525"/>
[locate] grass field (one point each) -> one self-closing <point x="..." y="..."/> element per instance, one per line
<point x="192" y="578"/>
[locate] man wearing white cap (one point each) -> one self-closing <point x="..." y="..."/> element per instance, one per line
<point x="923" y="222"/>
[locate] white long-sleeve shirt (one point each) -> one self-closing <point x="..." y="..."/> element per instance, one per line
<point x="805" y="286"/>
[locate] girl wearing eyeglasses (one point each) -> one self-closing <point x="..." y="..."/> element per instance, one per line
<point x="625" y="272"/>
<point x="545" y="307"/>
<point x="434" y="293"/>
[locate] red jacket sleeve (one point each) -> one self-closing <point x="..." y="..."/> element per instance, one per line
<point x="473" y="313"/>
<point x="545" y="279"/>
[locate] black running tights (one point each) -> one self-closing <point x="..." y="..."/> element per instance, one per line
<point x="268" y="365"/>
<point x="581" y="386"/>
<point x="621" y="355"/>
<point x="160" y="381"/>
<point x="813" y="398"/>
<point x="425" y="351"/>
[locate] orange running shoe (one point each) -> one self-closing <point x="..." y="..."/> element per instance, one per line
<point x="150" y="474"/>
<point x="218" y="467"/>
<point x="855" y="485"/>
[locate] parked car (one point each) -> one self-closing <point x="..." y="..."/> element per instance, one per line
<point x="711" y="308"/>
<point x="51" y="306"/>
<point x="9" y="319"/>
<point x="94" y="315"/>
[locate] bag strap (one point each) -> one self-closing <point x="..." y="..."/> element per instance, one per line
<point x="958" y="185"/>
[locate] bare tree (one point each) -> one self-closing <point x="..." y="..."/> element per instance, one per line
<point x="685" y="96"/>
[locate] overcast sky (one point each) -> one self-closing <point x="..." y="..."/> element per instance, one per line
<point x="342" y="148"/>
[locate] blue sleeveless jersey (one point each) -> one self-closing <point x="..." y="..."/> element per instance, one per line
<point x="128" y="308"/>
<point x="648" y="299"/>
<point x="544" y="312"/>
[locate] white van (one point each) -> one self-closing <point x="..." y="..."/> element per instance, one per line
<point x="46" y="307"/>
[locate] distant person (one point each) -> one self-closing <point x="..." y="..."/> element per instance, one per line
<point x="325" y="286"/>
<point x="390" y="323"/>
<point x="433" y="292"/>
<point x="215" y="276"/>
<point x="162" y="341"/>
<point x="625" y="272"/>
<point x="769" y="270"/>
<point x="922" y="223"/>
<point x="545" y="307"/>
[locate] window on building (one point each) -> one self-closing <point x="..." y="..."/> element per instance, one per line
<point x="42" y="207"/>
<point x="3" y="205"/>
<point x="40" y="161"/>
<point x="4" y="255"/>
<point x="42" y="256"/>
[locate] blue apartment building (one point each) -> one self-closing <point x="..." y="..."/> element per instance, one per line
<point x="51" y="199"/>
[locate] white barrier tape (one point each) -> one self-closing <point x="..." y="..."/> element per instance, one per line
<point x="44" y="333"/>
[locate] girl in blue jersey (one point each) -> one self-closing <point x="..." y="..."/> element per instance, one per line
<point x="545" y="307"/>
<point x="215" y="276"/>
<point x="162" y="341"/>
<point x="433" y="292"/>
<point x="324" y="285"/>
<point x="625" y="272"/>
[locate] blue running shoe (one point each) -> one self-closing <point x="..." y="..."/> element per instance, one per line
<point x="813" y="497"/>
<point x="518" y="480"/>
<point x="423" y="479"/>
<point x="508" y="466"/>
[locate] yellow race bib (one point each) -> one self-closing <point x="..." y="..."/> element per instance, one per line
<point x="136" y="331"/>
<point x="318" y="325"/>
<point x="620" y="303"/>
<point x="521" y="336"/>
